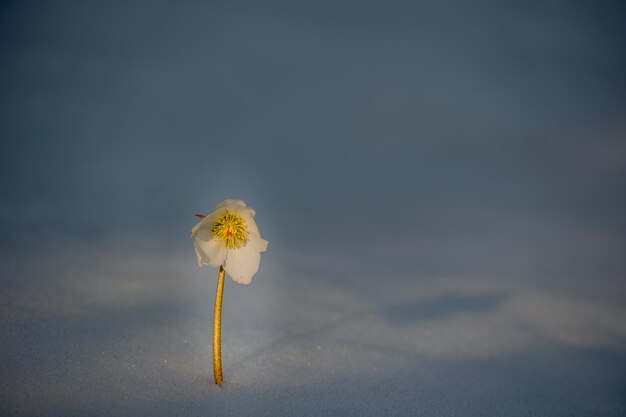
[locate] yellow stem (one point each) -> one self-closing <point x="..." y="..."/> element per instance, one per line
<point x="217" y="329"/>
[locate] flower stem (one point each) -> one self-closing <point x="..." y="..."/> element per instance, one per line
<point x="217" y="329"/>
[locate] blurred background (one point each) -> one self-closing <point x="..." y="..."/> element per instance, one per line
<point x="442" y="185"/>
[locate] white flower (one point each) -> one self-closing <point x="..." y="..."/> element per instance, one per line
<point x="229" y="236"/>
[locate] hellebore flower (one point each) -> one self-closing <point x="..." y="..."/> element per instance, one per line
<point x="229" y="237"/>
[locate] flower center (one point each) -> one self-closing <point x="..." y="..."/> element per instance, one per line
<point x="230" y="230"/>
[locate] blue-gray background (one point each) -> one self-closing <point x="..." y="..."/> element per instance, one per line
<point x="440" y="176"/>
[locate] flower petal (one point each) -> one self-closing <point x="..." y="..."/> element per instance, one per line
<point x="248" y="216"/>
<point x="230" y="204"/>
<point x="241" y="264"/>
<point x="207" y="222"/>
<point x="258" y="242"/>
<point x="208" y="250"/>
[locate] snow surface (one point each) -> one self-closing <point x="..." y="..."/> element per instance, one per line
<point x="125" y="329"/>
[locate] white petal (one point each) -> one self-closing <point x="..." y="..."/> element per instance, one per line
<point x="208" y="250"/>
<point x="207" y="222"/>
<point x="241" y="264"/>
<point x="230" y="204"/>
<point x="259" y="243"/>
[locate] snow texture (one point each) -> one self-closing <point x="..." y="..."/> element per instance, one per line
<point x="125" y="329"/>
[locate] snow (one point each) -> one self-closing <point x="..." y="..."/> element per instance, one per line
<point x="115" y="328"/>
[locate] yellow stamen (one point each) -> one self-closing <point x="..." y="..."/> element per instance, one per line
<point x="230" y="230"/>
